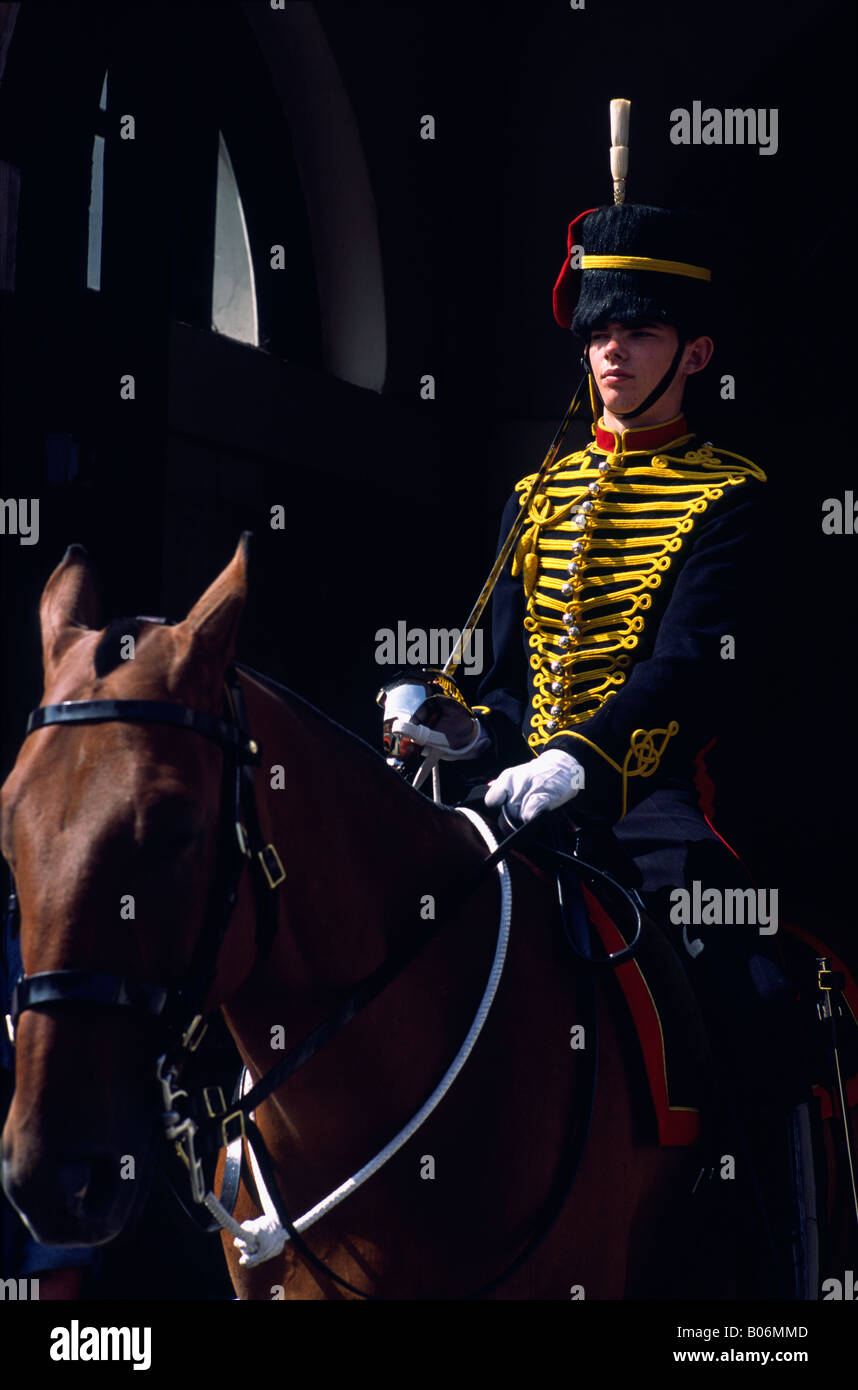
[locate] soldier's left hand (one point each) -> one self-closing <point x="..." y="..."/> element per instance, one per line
<point x="549" y="781"/>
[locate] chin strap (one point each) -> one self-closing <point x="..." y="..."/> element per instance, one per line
<point x="654" y="395"/>
<point x="594" y="397"/>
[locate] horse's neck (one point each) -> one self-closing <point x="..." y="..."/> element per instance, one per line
<point x="363" y="856"/>
<point x="362" y="852"/>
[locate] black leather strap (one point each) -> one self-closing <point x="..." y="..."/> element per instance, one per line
<point x="234" y="1164"/>
<point x="658" y="391"/>
<point x="267" y="903"/>
<point x="372" y="985"/>
<point x="655" y="394"/>
<point x="88" y="987"/>
<point x="147" y="712"/>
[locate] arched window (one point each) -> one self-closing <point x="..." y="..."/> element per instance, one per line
<point x="221" y="210"/>
<point x="233" y="287"/>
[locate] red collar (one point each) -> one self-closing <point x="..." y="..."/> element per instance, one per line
<point x="645" y="440"/>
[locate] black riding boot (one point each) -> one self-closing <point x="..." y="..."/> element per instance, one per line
<point x="756" y="1031"/>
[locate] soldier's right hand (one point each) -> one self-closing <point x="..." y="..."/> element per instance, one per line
<point x="447" y="728"/>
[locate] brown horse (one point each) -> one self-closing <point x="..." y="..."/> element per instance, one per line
<point x="111" y="829"/>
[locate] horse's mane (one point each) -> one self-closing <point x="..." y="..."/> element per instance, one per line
<point x="108" y="655"/>
<point x="327" y="727"/>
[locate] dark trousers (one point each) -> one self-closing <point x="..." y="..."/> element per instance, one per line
<point x="752" y="1014"/>
<point x="735" y="968"/>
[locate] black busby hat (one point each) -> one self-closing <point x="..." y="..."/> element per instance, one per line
<point x="638" y="263"/>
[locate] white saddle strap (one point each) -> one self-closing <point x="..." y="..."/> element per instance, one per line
<point x="266" y="1236"/>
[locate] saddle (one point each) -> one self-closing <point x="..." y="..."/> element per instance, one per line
<point x="670" y="1029"/>
<point x="673" y="1036"/>
<point x="664" y="1012"/>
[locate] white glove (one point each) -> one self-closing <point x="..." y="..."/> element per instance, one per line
<point x="267" y="1238"/>
<point x="550" y="780"/>
<point x="438" y="742"/>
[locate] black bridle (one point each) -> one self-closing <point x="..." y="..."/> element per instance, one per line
<point x="241" y="842"/>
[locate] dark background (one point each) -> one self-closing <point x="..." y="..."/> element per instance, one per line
<point x="438" y="257"/>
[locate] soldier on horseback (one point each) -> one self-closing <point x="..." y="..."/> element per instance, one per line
<point x="619" y="623"/>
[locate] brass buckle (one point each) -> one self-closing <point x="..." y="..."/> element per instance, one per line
<point x="213" y="1096"/>
<point x="226" y="1138"/>
<point x="216" y="1105"/>
<point x="277" y="873"/>
<point x="196" y="1031"/>
<point x="829" y="982"/>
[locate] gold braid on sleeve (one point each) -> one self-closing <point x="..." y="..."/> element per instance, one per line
<point x="643" y="751"/>
<point x="646" y="754"/>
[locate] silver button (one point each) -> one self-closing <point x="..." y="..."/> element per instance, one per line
<point x="593" y="487"/>
<point x="577" y="547"/>
<point x="563" y="642"/>
<point x="568" y="618"/>
<point x="557" y="687"/>
<point x="554" y="666"/>
<point x="604" y="466"/>
<point x="567" y="589"/>
<point x="573" y="567"/>
<point x="586" y="506"/>
<point x="552" y="724"/>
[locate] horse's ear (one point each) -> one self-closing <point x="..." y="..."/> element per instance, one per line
<point x="70" y="605"/>
<point x="213" y="621"/>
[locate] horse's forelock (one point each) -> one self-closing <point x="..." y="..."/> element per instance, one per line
<point x="112" y="645"/>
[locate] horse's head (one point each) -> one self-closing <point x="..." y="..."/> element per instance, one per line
<point x="111" y="830"/>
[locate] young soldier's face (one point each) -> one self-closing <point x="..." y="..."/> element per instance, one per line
<point x="628" y="361"/>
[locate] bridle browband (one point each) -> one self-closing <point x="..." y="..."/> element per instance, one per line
<point x="147" y="712"/>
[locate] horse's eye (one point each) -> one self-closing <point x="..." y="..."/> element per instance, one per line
<point x="171" y="836"/>
<point x="178" y="841"/>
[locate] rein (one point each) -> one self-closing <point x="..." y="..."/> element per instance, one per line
<point x="242" y="842"/>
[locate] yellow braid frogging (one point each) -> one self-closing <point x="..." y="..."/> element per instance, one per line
<point x="619" y="528"/>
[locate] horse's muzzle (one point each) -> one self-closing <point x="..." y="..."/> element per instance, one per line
<point x="76" y="1200"/>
